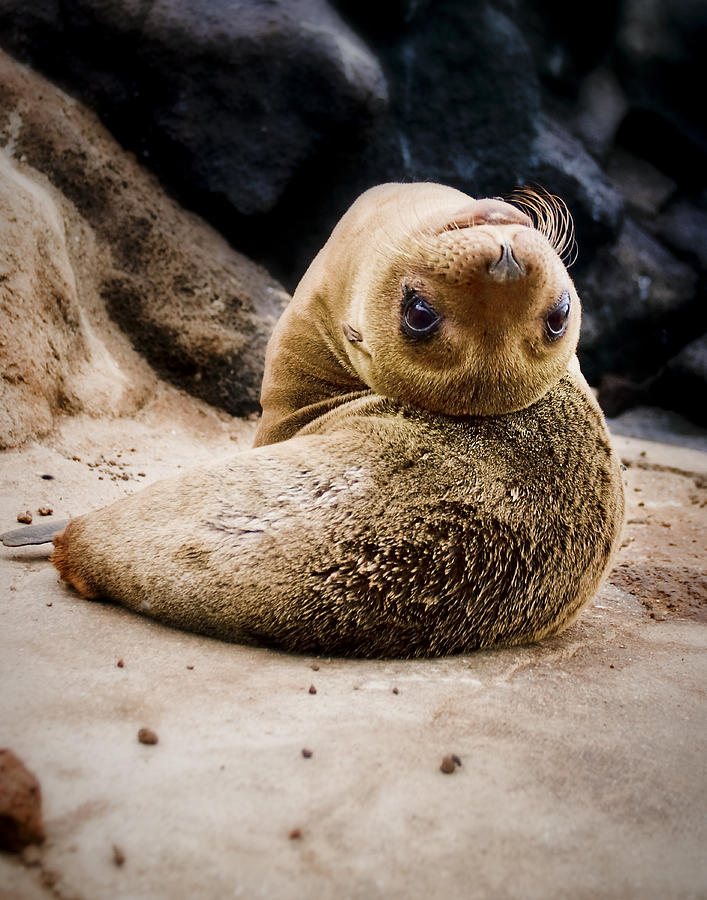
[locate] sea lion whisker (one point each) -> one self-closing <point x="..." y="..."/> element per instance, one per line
<point x="551" y="217"/>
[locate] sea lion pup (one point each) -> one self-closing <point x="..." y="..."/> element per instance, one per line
<point x="431" y="473"/>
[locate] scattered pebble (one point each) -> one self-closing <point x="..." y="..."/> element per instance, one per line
<point x="25" y="517"/>
<point x="295" y="834"/>
<point x="395" y="690"/>
<point x="20" y="805"/>
<point x="315" y="667"/>
<point x="50" y="603"/>
<point x="45" y="511"/>
<point x="449" y="764"/>
<point x="147" y="736"/>
<point x="48" y="477"/>
<point x="118" y="855"/>
<point x="190" y="667"/>
<point x="312" y="689"/>
<point x="49" y="877"/>
<point x="306" y="753"/>
<point x="120" y="664"/>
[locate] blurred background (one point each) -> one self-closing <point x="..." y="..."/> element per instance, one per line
<point x="269" y="117"/>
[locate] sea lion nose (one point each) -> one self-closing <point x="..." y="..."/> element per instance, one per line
<point x="506" y="267"/>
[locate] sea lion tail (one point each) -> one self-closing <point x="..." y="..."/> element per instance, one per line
<point x="70" y="563"/>
<point x="56" y="533"/>
<point x="34" y="534"/>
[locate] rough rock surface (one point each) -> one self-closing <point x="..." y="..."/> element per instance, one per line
<point x="633" y="290"/>
<point x="86" y="230"/>
<point x="682" y="383"/>
<point x="20" y="804"/>
<point x="51" y="356"/>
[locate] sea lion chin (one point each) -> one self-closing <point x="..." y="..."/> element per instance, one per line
<point x="431" y="473"/>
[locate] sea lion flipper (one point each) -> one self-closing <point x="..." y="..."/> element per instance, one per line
<point x="43" y="533"/>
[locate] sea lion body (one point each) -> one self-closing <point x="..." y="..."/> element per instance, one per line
<point x="432" y="474"/>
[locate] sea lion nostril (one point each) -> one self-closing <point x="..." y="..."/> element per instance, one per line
<point x="506" y="266"/>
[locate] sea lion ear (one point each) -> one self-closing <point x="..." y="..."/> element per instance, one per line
<point x="351" y="333"/>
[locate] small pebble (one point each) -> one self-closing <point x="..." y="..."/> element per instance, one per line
<point x="190" y="667"/>
<point x="312" y="689"/>
<point x="295" y="834"/>
<point x="315" y="667"/>
<point x="49" y="877"/>
<point x="45" y="511"/>
<point x="120" y="664"/>
<point x="25" y="517"/>
<point x="395" y="690"/>
<point x="306" y="753"/>
<point x="50" y="604"/>
<point x="448" y="765"/>
<point x="147" y="736"/>
<point x="118" y="855"/>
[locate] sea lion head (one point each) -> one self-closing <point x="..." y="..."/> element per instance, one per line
<point x="463" y="308"/>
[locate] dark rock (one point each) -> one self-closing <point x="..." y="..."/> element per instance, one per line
<point x="600" y="106"/>
<point x="661" y="62"/>
<point x="636" y="298"/>
<point x="223" y="99"/>
<point x="616" y="393"/>
<point x="682" y="383"/>
<point x="563" y="167"/>
<point x="644" y="188"/>
<point x="466" y="98"/>
<point x="20" y="805"/>
<point x="568" y="40"/>
<point x="683" y="226"/>
<point x="381" y="19"/>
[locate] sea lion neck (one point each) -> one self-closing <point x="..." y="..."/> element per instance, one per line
<point x="307" y="371"/>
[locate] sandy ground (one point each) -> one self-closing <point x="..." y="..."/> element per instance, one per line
<point x="583" y="759"/>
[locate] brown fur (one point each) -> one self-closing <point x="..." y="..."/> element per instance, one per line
<point x="404" y="498"/>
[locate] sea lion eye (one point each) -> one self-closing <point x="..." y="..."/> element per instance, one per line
<point x="419" y="318"/>
<point x="556" y="320"/>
